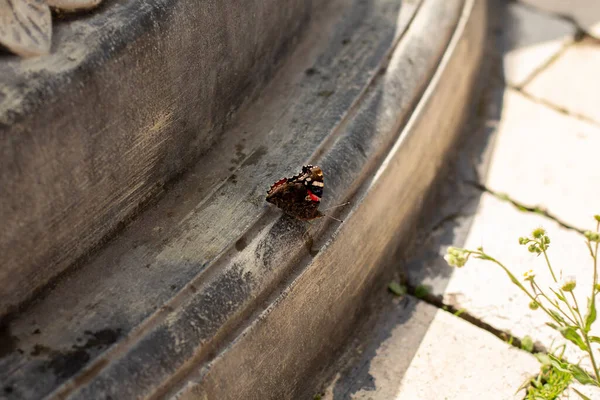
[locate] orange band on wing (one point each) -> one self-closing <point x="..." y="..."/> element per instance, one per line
<point x="313" y="197"/>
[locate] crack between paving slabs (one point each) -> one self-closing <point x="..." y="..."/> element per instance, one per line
<point x="526" y="208"/>
<point x="556" y="108"/>
<point x="437" y="301"/>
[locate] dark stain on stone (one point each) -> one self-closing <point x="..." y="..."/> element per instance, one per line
<point x="66" y="364"/>
<point x="8" y="342"/>
<point x="241" y="244"/>
<point x="170" y="214"/>
<point x="310" y="246"/>
<point x="193" y="288"/>
<point x="233" y="178"/>
<point x="309" y="243"/>
<point x="345" y="41"/>
<point x="231" y="169"/>
<point x="36" y="332"/>
<point x="173" y="287"/>
<point x="8" y="389"/>
<point x="325" y="93"/>
<point x="256" y="156"/>
<point x="40" y="349"/>
<point x="104" y="337"/>
<point x="239" y="154"/>
<point x="310" y="71"/>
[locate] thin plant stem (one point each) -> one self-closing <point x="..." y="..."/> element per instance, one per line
<point x="548" y="262"/>
<point x="514" y="280"/>
<point x="595" y="257"/>
<point x="593" y="300"/>
<point x="555" y="280"/>
<point x="555" y="305"/>
<point x="577" y="309"/>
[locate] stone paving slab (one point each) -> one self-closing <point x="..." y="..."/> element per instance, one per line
<point x="572" y="82"/>
<point x="538" y="156"/>
<point x="485" y="292"/>
<point x="435" y="355"/>
<point x="589" y="391"/>
<point x="585" y="12"/>
<point x="532" y="40"/>
<point x="544" y="157"/>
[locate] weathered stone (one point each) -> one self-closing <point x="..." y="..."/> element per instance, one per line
<point x="546" y="158"/>
<point x="211" y="269"/>
<point x="532" y="40"/>
<point x="538" y="156"/>
<point x="427" y="353"/>
<point x="130" y="97"/>
<point x="587" y="390"/>
<point x="571" y="82"/>
<point x="585" y="12"/>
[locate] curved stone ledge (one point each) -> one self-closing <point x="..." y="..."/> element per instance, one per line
<point x="131" y="95"/>
<point x="211" y="293"/>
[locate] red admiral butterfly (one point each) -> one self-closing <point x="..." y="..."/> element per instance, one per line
<point x="300" y="195"/>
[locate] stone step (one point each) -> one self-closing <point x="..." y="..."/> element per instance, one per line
<point x="413" y="350"/>
<point x="211" y="293"/>
<point x="131" y="96"/>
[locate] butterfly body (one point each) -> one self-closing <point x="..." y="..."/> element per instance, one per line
<point x="300" y="195"/>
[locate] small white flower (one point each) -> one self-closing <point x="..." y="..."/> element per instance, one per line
<point x="529" y="275"/>
<point x="568" y="283"/>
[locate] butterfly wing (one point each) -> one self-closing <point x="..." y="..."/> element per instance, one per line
<point x="300" y="195"/>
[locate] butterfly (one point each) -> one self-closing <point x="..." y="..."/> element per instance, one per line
<point x="300" y="195"/>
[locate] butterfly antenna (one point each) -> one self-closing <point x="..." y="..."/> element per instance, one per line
<point x="329" y="216"/>
<point x="339" y="205"/>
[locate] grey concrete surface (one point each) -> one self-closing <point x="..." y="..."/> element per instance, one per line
<point x="131" y="95"/>
<point x="579" y="67"/>
<point x="344" y="273"/>
<point x="536" y="150"/>
<point x="532" y="40"/>
<point x="211" y="270"/>
<point x="585" y="13"/>
<point x="418" y="351"/>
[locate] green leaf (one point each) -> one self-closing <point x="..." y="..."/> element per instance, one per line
<point x="397" y="289"/>
<point x="594" y="339"/>
<point x="591" y="315"/>
<point x="557" y="316"/>
<point x="543" y="358"/>
<point x="571" y="334"/>
<point x="560" y="296"/>
<point x="459" y="312"/>
<point x="553" y="326"/>
<point x="583" y="377"/>
<point x="559" y="364"/>
<point x="421" y="291"/>
<point x="527" y="344"/>
<point x="583" y="396"/>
